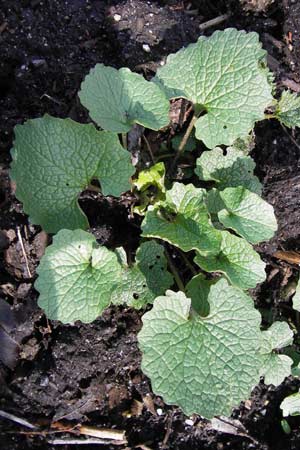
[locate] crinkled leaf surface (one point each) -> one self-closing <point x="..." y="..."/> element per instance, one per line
<point x="237" y="260"/>
<point x="151" y="186"/>
<point x="197" y="290"/>
<point x="225" y="75"/>
<point x="116" y="99"/>
<point x="247" y="214"/>
<point x="146" y="279"/>
<point x="183" y="220"/>
<point x="204" y="365"/>
<point x="228" y="170"/>
<point x="55" y="159"/>
<point x="291" y="405"/>
<point x="76" y="277"/>
<point x="288" y="109"/>
<point x="276" y="367"/>
<point x="296" y="298"/>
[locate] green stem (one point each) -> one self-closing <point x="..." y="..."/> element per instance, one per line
<point x="174" y="272"/>
<point x="124" y="140"/>
<point x="188" y="263"/>
<point x="184" y="141"/>
<point x="270" y="116"/>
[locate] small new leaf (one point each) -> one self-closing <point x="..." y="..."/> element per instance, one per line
<point x="228" y="170"/>
<point x="225" y="75"/>
<point x="247" y="214"/>
<point x="150" y="185"/>
<point x="146" y="279"/>
<point x="276" y="367"/>
<point x="237" y="260"/>
<point x="76" y="278"/>
<point x="204" y="365"/>
<point x="183" y="220"/>
<point x="55" y="159"/>
<point x="116" y="99"/>
<point x="288" y="109"/>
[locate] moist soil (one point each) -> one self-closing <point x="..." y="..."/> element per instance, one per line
<point x="67" y="375"/>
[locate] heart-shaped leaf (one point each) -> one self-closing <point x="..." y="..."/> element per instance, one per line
<point x="55" y="159"/>
<point x="116" y="99"/>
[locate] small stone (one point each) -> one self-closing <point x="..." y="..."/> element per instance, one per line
<point x="159" y="412"/>
<point x="189" y="422"/>
<point x="117" y="17"/>
<point x="146" y="48"/>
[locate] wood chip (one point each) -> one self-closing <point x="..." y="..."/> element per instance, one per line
<point x="291" y="256"/>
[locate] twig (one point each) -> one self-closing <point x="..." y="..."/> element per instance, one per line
<point x="16" y="419"/>
<point x="290" y="136"/>
<point x="24" y="252"/>
<point x="102" y="433"/>
<point x="84" y="442"/>
<point x="149" y="148"/>
<point x="174" y="272"/>
<point x="216" y="21"/>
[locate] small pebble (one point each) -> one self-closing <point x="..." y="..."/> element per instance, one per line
<point x="146" y="48"/>
<point x="159" y="412"/>
<point x="189" y="422"/>
<point x="117" y="17"/>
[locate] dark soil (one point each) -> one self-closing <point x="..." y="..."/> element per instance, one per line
<point x="91" y="374"/>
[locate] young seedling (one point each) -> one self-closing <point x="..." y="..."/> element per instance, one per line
<point x="203" y="347"/>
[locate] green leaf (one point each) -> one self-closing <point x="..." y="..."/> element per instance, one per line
<point x="183" y="220"/>
<point x="146" y="279"/>
<point x="151" y="186"/>
<point x="291" y="405"/>
<point x="228" y="170"/>
<point x="116" y="99"/>
<point x="76" y="278"/>
<point x="288" y="109"/>
<point x="275" y="368"/>
<point x="247" y="214"/>
<point x="225" y="75"/>
<point x="198" y="289"/>
<point x="296" y="298"/>
<point x="237" y="260"/>
<point x="204" y="365"/>
<point x="55" y="159"/>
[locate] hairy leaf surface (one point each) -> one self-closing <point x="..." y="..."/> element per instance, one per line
<point x="183" y="221"/>
<point x="276" y="367"/>
<point x="76" y="277"/>
<point x="247" y="214"/>
<point x="116" y="99"/>
<point x="228" y="170"/>
<point x="204" y="365"/>
<point x="55" y="159"/>
<point x="146" y="279"/>
<point x="225" y="76"/>
<point x="237" y="260"/>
